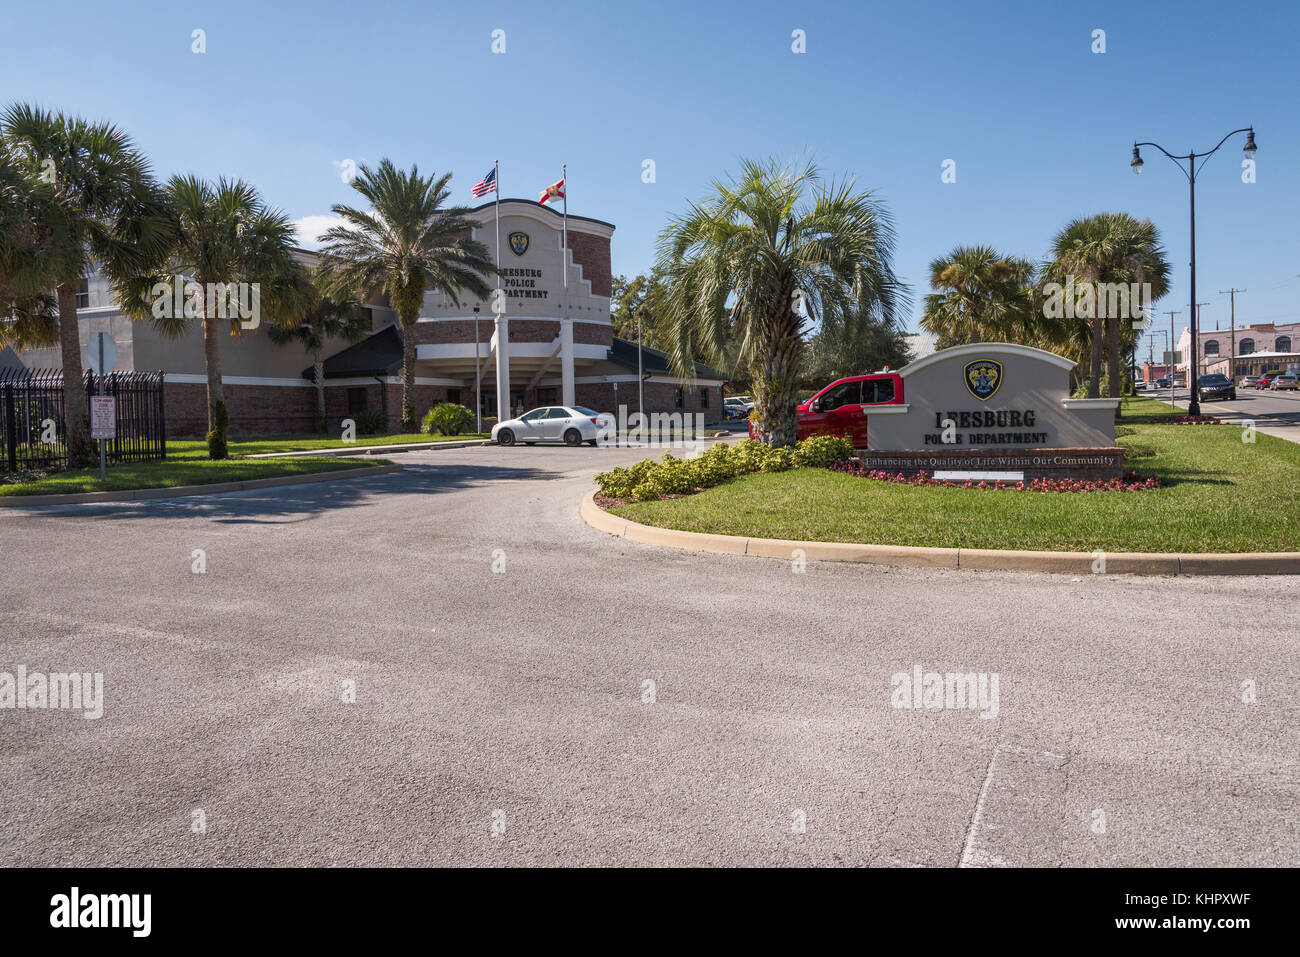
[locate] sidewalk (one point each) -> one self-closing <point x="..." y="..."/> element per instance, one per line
<point x="1264" y="424"/>
<point x="370" y="449"/>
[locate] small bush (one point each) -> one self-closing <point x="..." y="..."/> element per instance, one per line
<point x="216" y="439"/>
<point x="822" y="451"/>
<point x="448" y="418"/>
<point x="370" y="422"/>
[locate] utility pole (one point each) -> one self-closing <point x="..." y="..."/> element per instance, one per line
<point x="1232" y="349"/>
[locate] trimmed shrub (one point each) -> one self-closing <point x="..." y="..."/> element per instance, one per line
<point x="648" y="479"/>
<point x="448" y="418"/>
<point x="822" y="451"/>
<point x="370" y="422"/>
<point x="216" y="439"/>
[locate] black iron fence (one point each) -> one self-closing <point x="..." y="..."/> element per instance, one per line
<point x="33" y="429"/>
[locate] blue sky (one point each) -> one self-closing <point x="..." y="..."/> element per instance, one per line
<point x="1039" y="126"/>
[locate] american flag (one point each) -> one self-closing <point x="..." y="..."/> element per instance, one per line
<point x="488" y="184"/>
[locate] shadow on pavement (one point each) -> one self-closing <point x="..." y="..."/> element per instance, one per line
<point x="289" y="504"/>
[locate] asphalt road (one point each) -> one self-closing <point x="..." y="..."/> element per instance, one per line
<point x="505" y="718"/>
<point x="1273" y="412"/>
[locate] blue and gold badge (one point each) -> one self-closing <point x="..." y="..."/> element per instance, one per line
<point x="982" y="377"/>
<point x="518" y="241"/>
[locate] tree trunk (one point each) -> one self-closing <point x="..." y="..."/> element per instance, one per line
<point x="318" y="368"/>
<point x="408" y="374"/>
<point x="774" y="393"/>
<point x="1094" y="366"/>
<point x="76" y="405"/>
<point x="218" y="419"/>
<point x="1113" y="372"/>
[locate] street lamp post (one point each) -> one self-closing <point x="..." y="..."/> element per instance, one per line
<point x="478" y="382"/>
<point x="1193" y="383"/>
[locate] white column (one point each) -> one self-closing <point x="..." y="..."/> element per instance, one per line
<point x="503" y="368"/>
<point x="566" y="361"/>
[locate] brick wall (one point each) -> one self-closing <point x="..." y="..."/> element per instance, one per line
<point x="254" y="409"/>
<point x="521" y="330"/>
<point x="659" y="397"/>
<point x="592" y="252"/>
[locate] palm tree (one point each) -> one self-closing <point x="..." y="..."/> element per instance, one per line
<point x="407" y="243"/>
<point x="223" y="233"/>
<point x="323" y="319"/>
<point x="980" y="295"/>
<point x="781" y="249"/>
<point x="32" y="241"/>
<point x="1108" y="248"/>
<point x="97" y="206"/>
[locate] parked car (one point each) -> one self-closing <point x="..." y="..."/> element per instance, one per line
<point x="571" y="425"/>
<point x="735" y="407"/>
<point x="1162" y="382"/>
<point x="1249" y="381"/>
<point x="843" y="406"/>
<point x="1266" y="380"/>
<point x="1287" y="380"/>
<point x="1216" y="385"/>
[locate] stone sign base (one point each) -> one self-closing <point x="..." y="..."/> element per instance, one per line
<point x="1089" y="464"/>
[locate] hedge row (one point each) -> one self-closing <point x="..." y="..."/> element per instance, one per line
<point x="648" y="479"/>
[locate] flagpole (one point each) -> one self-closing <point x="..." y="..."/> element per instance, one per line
<point x="496" y="181"/>
<point x="564" y="254"/>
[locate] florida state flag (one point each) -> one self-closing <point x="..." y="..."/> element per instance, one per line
<point x="554" y="191"/>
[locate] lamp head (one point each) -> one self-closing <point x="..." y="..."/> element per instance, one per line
<point x="1136" y="163"/>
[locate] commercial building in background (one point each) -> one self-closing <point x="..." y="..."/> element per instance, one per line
<point x="1245" y="350"/>
<point x="547" y="348"/>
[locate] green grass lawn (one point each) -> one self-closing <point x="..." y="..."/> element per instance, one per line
<point x="303" y="443"/>
<point x="1220" y="495"/>
<point x="187" y="463"/>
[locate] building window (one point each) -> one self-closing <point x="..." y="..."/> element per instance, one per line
<point x="453" y="395"/>
<point x="356" y="400"/>
<point x="546" y="396"/>
<point x="1211" y="347"/>
<point x="1245" y="347"/>
<point x="681" y="398"/>
<point x="487" y="404"/>
<point x="704" y="398"/>
<point x="83" y="294"/>
<point x="1283" y="344"/>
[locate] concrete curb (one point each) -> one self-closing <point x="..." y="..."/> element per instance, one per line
<point x="371" y="449"/>
<point x="1064" y="563"/>
<point x="181" y="491"/>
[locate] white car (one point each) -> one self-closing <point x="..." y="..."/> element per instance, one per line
<point x="570" y="424"/>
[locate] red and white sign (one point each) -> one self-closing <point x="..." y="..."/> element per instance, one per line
<point x="103" y="417"/>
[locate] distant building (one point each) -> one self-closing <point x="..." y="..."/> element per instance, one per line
<point x="921" y="344"/>
<point x="1245" y="350"/>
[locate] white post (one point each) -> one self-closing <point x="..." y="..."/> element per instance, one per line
<point x="502" y="323"/>
<point x="566" y="360"/>
<point x="503" y="367"/>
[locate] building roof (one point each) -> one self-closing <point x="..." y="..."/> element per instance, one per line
<point x="550" y="208"/>
<point x="379" y="354"/>
<point x="654" y="362"/>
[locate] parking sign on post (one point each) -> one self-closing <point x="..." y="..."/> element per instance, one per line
<point x="103" y="424"/>
<point x="103" y="417"/>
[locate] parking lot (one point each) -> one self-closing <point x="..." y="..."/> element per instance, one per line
<point x="528" y="690"/>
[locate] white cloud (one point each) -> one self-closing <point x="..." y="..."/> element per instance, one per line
<point x="311" y="228"/>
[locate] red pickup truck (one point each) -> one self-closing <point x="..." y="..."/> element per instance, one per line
<point x="842" y="407"/>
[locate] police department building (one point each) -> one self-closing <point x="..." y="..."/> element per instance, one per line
<point x="549" y="345"/>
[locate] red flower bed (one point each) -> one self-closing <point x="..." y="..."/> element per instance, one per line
<point x="1187" y="420"/>
<point x="1131" y="482"/>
